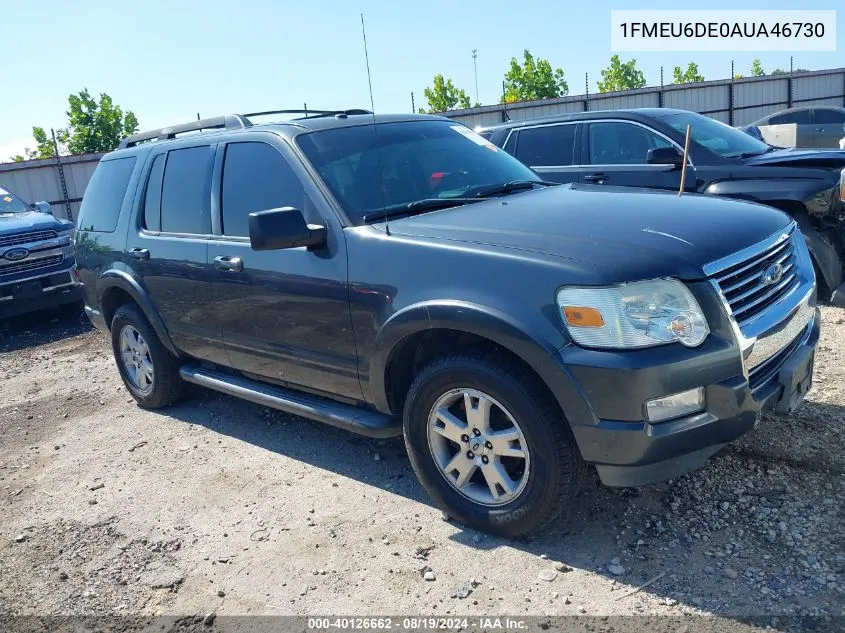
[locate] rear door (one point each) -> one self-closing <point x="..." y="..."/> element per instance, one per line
<point x="614" y="152"/>
<point x="284" y="314"/>
<point x="550" y="150"/>
<point x="168" y="248"/>
<point x="828" y="127"/>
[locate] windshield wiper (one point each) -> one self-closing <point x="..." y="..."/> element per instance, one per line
<point x="427" y="204"/>
<point x="751" y="154"/>
<point x="509" y="187"/>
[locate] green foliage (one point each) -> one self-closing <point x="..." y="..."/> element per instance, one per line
<point x="757" y="69"/>
<point x="781" y="71"/>
<point x="535" y="79"/>
<point x="688" y="76"/>
<point x="443" y="96"/>
<point x="621" y="76"/>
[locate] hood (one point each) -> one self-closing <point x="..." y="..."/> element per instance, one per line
<point x="623" y="233"/>
<point x="794" y="157"/>
<point x="31" y="221"/>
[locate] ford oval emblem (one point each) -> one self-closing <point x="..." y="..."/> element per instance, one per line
<point x="16" y="254"/>
<point x="772" y="274"/>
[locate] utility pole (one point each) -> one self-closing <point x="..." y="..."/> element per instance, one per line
<point x="475" y="68"/>
<point x="413" y="107"/>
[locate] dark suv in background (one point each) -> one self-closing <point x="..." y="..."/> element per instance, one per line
<point x="644" y="148"/>
<point x="402" y="275"/>
<point x="37" y="264"/>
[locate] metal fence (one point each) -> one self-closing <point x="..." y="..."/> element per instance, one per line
<point x="61" y="182"/>
<point x="732" y="101"/>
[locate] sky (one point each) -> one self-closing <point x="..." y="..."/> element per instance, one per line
<point x="167" y="60"/>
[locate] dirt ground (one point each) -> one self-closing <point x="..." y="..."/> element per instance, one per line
<point x="220" y="506"/>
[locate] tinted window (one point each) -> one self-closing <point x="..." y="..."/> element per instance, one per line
<point x="152" y="199"/>
<point x="713" y="135"/>
<point x="801" y="117"/>
<point x="546" y="146"/>
<point x="622" y="143"/>
<point x="184" y="192"/>
<point x="256" y="177"/>
<point x="371" y="169"/>
<point x="104" y="195"/>
<point x="823" y="117"/>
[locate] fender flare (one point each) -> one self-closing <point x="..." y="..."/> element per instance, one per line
<point x="823" y="253"/>
<point x="124" y="281"/>
<point x="491" y="324"/>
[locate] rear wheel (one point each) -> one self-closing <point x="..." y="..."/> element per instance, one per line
<point x="489" y="444"/>
<point x="149" y="371"/>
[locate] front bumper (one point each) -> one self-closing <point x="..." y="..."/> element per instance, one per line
<point x="38" y="293"/>
<point x="633" y="453"/>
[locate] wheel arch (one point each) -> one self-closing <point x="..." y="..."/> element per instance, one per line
<point x="116" y="288"/>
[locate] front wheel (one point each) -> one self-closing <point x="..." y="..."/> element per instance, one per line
<point x="490" y="445"/>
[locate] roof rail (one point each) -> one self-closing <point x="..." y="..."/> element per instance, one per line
<point x="309" y="113"/>
<point x="228" y="121"/>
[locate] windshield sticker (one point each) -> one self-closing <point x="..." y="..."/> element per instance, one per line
<point x="3" y="192"/>
<point x="474" y="137"/>
<point x="7" y="199"/>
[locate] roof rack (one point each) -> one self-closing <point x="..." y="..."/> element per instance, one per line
<point x="228" y="121"/>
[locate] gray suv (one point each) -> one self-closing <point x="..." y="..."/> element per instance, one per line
<point x="401" y="275"/>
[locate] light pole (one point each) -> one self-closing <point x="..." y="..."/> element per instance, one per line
<point x="475" y="67"/>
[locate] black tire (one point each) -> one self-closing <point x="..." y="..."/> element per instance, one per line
<point x="556" y="468"/>
<point x="167" y="385"/>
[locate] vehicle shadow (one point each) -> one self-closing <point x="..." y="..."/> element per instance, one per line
<point x="719" y="540"/>
<point x="42" y="327"/>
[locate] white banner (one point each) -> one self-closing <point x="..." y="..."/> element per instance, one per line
<point x="727" y="31"/>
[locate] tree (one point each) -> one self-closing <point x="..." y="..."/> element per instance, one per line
<point x="96" y="126"/>
<point x="781" y="71"/>
<point x="757" y="68"/>
<point x="688" y="76"/>
<point x="535" y="79"/>
<point x="443" y="96"/>
<point x="621" y="76"/>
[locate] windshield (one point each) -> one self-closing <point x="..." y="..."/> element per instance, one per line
<point x="716" y="136"/>
<point x="372" y="168"/>
<point x="10" y="203"/>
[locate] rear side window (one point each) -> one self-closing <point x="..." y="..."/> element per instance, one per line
<point x="256" y="177"/>
<point x="104" y="195"/>
<point x="547" y="146"/>
<point x="801" y="117"/>
<point x="185" y="190"/>
<point x="152" y="199"/>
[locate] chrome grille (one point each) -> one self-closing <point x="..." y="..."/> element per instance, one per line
<point x="26" y="238"/>
<point x="31" y="264"/>
<point x="743" y="287"/>
<point x="763" y="373"/>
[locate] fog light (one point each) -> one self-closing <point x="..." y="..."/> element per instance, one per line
<point x="675" y="406"/>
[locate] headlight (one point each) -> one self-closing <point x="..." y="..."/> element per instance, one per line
<point x="640" y="314"/>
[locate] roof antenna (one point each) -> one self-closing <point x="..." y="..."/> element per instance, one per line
<point x="375" y="127"/>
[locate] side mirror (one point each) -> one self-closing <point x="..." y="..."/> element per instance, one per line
<point x="43" y="207"/>
<point x="275" y="229"/>
<point x="664" y="156"/>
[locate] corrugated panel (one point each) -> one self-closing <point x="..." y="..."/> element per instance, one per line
<point x="480" y="119"/>
<point x="704" y="99"/>
<point x="720" y="116"/>
<point x="635" y="100"/>
<point x="77" y="177"/>
<point x="756" y="93"/>
<point x="819" y="87"/>
<point x="749" y="115"/>
<point x="832" y="101"/>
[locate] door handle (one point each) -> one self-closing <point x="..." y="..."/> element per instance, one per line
<point x="225" y="262"/>
<point x="596" y="177"/>
<point x="139" y="253"/>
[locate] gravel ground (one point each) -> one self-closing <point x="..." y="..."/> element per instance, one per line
<point x="220" y="506"/>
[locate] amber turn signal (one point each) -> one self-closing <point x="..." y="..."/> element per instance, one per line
<point x="582" y="317"/>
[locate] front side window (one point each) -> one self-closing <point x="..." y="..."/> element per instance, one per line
<point x="371" y="168"/>
<point x="547" y="146"/>
<point x="618" y="143"/>
<point x="713" y="135"/>
<point x="828" y="117"/>
<point x="185" y="190"/>
<point x="104" y="195"/>
<point x="256" y="177"/>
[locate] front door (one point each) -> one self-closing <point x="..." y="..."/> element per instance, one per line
<point x="614" y="153"/>
<point x="283" y="314"/>
<point x="168" y="250"/>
